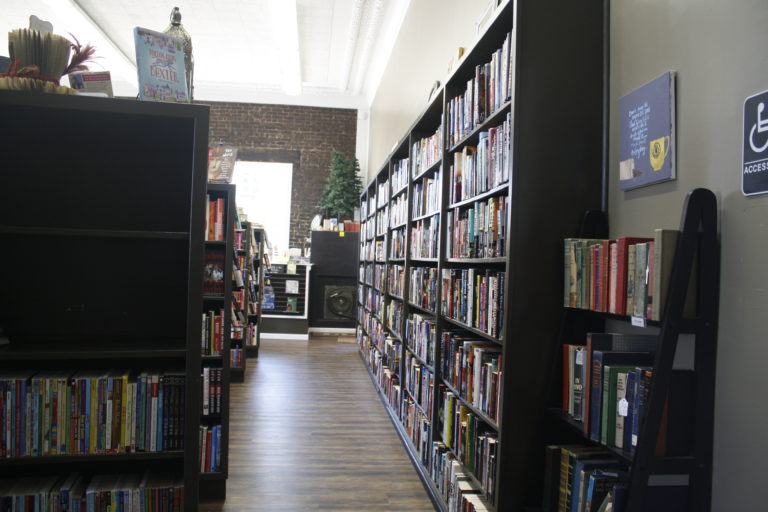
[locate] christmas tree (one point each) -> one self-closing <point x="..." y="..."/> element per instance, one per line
<point x="342" y="192"/>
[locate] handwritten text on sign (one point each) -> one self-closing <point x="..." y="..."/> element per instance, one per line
<point x="638" y="129"/>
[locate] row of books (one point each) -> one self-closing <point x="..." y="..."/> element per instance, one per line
<point x="212" y="336"/>
<point x="394" y="315"/>
<point x="372" y="203"/>
<point x="397" y="244"/>
<point x="423" y="287"/>
<point x="420" y="383"/>
<point x="606" y="385"/>
<point x="375" y="330"/>
<point x="579" y="478"/>
<point x="396" y="279"/>
<point x="365" y="274"/>
<point x="392" y="353"/>
<point x="368" y="251"/>
<point x="473" y="442"/>
<point x="215" y="219"/>
<point x="426" y="152"/>
<point x="380" y="250"/>
<point x="474" y="297"/>
<point x="212" y="382"/>
<point x="369" y="230"/>
<point x="627" y="276"/>
<point x="251" y="334"/>
<point x="210" y="448"/>
<point x="213" y="272"/>
<point x="473" y="367"/>
<point x="417" y="427"/>
<point x="238" y="299"/>
<point x="90" y="412"/>
<point x="457" y="487"/>
<point x="400" y="175"/>
<point x="478" y="169"/>
<point x="479" y="231"/>
<point x="426" y="195"/>
<point x="421" y="336"/>
<point x="486" y="92"/>
<point x="424" y="238"/>
<point x="398" y="211"/>
<point x="379" y="275"/>
<point x="382" y="194"/>
<point x="236" y="356"/>
<point x="382" y="221"/>
<point x="148" y="492"/>
<point x="374" y="301"/>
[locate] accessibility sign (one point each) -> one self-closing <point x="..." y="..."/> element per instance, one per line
<point x="754" y="161"/>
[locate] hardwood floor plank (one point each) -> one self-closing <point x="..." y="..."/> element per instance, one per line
<point x="308" y="432"/>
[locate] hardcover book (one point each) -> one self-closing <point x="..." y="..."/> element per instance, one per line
<point x="160" y="64"/>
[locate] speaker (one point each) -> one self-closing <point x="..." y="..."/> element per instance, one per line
<point x="339" y="302"/>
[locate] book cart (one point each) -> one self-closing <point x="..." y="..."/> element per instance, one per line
<point x="520" y="160"/>
<point x="218" y="310"/>
<point x="102" y="207"/>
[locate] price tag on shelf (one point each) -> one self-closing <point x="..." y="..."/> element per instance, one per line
<point x="639" y="321"/>
<point x="580" y="356"/>
<point x="623" y="407"/>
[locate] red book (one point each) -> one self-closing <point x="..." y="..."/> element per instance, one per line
<point x="211" y="220"/>
<point x="220" y="218"/>
<point x="622" y="244"/>
<point x="208" y="441"/>
<point x="217" y="334"/>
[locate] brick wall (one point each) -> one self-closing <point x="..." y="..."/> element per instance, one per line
<point x="303" y="136"/>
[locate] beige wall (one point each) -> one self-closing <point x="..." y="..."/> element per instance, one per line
<point x="431" y="32"/>
<point x="717" y="48"/>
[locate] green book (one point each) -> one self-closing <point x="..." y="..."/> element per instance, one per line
<point x="608" y="416"/>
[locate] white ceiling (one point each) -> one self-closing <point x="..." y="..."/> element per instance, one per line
<point x="238" y="50"/>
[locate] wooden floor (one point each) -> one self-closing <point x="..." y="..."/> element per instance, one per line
<point x="310" y="433"/>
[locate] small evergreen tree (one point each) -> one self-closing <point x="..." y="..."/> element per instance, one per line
<point x="342" y="191"/>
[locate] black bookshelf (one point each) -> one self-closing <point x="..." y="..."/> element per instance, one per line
<point x="259" y="257"/>
<point x="103" y="269"/>
<point x="213" y="485"/>
<point x="549" y="185"/>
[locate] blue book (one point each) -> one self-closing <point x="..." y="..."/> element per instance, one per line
<point x="581" y="470"/>
<point x="601" y="358"/>
<point x="160" y="64"/>
<point x="601" y="482"/>
<point x="217" y="443"/>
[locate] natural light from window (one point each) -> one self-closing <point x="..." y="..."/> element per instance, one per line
<point x="264" y="193"/>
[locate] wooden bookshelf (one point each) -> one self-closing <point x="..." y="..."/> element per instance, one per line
<point x="103" y="253"/>
<point x="544" y="183"/>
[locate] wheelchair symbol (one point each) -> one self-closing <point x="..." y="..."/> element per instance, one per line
<point x="761" y="126"/>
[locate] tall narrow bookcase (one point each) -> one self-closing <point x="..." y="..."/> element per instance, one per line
<point x="241" y="296"/>
<point x="259" y="261"/>
<point x="218" y="288"/>
<point x="101" y="215"/>
<point x="460" y="234"/>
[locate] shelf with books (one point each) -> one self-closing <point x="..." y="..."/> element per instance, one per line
<point x="480" y="414"/>
<point x="497" y="190"/>
<point x="136" y="222"/>
<point x="222" y="273"/>
<point x="646" y="394"/>
<point x="471" y="329"/>
<point x="471" y="138"/>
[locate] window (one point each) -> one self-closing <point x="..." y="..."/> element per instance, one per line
<point x="264" y="194"/>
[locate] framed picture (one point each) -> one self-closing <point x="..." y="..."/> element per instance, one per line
<point x="647" y="133"/>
